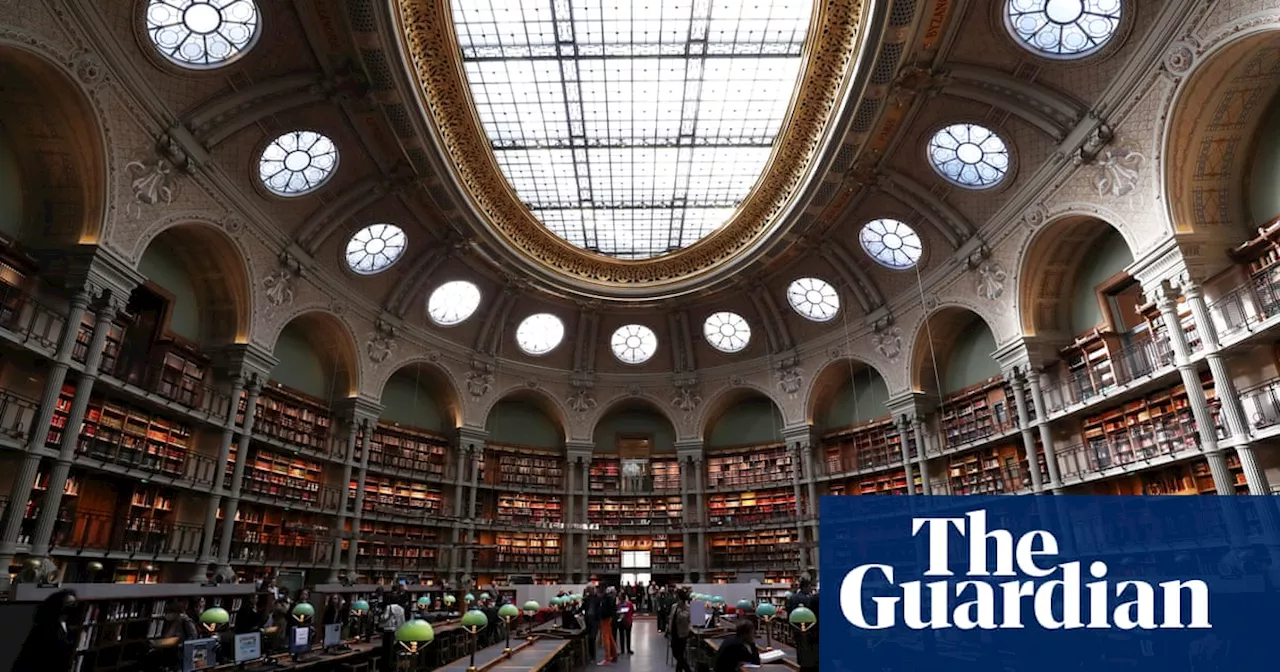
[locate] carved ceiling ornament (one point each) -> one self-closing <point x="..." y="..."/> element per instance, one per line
<point x="888" y="342"/>
<point x="152" y="184"/>
<point x="991" y="280"/>
<point x="581" y="400"/>
<point x="1180" y="57"/>
<point x="790" y="378"/>
<point x="479" y="379"/>
<point x="1117" y="170"/>
<point x="687" y="398"/>
<point x="278" y="286"/>
<point x="382" y="342"/>
<point x="431" y="47"/>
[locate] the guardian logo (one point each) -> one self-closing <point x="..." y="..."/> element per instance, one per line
<point x="1038" y="591"/>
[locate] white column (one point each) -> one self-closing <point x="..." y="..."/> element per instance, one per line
<point x="797" y="471"/>
<point x="366" y="434"/>
<point x="902" y="426"/>
<point x="567" y="516"/>
<point x="1018" y="381"/>
<point x="1046" y="436"/>
<point x="253" y="388"/>
<point x="1168" y="307"/>
<point x="686" y="482"/>
<point x="922" y="452"/>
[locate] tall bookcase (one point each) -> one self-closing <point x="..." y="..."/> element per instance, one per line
<point x="750" y="466"/>
<point x="523" y="467"/>
<point x="977" y="412"/>
<point x="405" y="449"/>
<point x="752" y="506"/>
<point x="1188" y="478"/>
<point x="871" y="445"/>
<point x="667" y="552"/>
<point x="398" y="547"/>
<point x="766" y="548"/>
<point x="1260" y="259"/>
<point x="290" y="416"/>
<point x="604" y="552"/>
<point x="1088" y="364"/>
<point x="635" y="511"/>
<point x="398" y="497"/>
<point x="991" y="470"/>
<point x="528" y="550"/>
<point x="266" y="534"/>
<point x="891" y="482"/>
<point x="285" y="477"/>
<point x="605" y="474"/>
<point x="116" y="433"/>
<point x="1160" y="423"/>
<point x="666" y="473"/>
<point x="528" y="508"/>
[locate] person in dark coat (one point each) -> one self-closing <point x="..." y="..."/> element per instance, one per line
<point x="738" y="649"/>
<point x="591" y="615"/>
<point x="48" y="647"/>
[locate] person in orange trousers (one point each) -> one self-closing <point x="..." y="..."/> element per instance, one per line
<point x="608" y="612"/>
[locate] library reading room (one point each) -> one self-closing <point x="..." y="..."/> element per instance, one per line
<point x="372" y="335"/>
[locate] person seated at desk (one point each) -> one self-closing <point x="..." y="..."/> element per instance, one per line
<point x="178" y="622"/>
<point x="251" y="612"/>
<point x="738" y="649"/>
<point x="335" y="610"/>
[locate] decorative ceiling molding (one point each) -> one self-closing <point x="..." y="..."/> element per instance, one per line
<point x="855" y="277"/>
<point x="205" y="119"/>
<point x="413" y="284"/>
<point x="837" y="40"/>
<point x="1047" y="110"/>
<point x="954" y="226"/>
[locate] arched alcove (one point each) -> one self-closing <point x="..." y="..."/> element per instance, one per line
<point x="742" y="417"/>
<point x="51" y="138"/>
<point x="845" y="393"/>
<point x="420" y="395"/>
<point x="200" y="274"/>
<point x="637" y="422"/>
<point x="317" y="356"/>
<point x="952" y="351"/>
<point x="1072" y="270"/>
<point x="1264" y="174"/>
<point x="525" y="418"/>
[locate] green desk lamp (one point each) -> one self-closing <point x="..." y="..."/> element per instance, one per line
<point x="530" y="610"/>
<point x="507" y="612"/>
<point x="473" y="622"/>
<point x="214" y="617"/>
<point x="766" y="611"/>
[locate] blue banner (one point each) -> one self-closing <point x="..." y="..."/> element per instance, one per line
<point x="1043" y="583"/>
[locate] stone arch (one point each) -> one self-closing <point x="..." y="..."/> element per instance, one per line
<point x="1048" y="266"/>
<point x="538" y="397"/>
<point x="60" y="144"/>
<point x="934" y="341"/>
<point x="437" y="379"/>
<point x="219" y="269"/>
<point x="332" y="339"/>
<point x="828" y="381"/>
<point x="722" y="400"/>
<point x="634" y="403"/>
<point x="1213" y="116"/>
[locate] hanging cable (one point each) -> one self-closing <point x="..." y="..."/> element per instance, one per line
<point x="937" y="376"/>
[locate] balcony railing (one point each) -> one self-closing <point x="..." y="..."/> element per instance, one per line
<point x="1262" y="404"/>
<point x="30" y="320"/>
<point x="398" y="563"/>
<point x="16" y="414"/>
<point x="1142" y="444"/>
<point x="138" y="537"/>
<point x="865" y="460"/>
<point x="164" y="383"/>
<point x="1139" y="359"/>
<point x="1246" y="306"/>
<point x="291" y="549"/>
<point x="752" y="518"/>
<point x="171" y="461"/>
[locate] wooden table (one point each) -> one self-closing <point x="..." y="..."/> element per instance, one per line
<point x="533" y="658"/>
<point x="788" y="661"/>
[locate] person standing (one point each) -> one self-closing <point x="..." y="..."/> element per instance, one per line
<point x="49" y="647"/>
<point x="662" y="606"/>
<point x="626" y="618"/>
<point x="678" y="628"/>
<point x="609" y="612"/>
<point x="591" y="615"/>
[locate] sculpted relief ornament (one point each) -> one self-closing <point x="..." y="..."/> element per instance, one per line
<point x="152" y="184"/>
<point x="1117" y="171"/>
<point x="581" y="400"/>
<point x="382" y="342"/>
<point x="479" y="379"/>
<point x="790" y="379"/>
<point x="687" y="398"/>
<point x="991" y="280"/>
<point x="888" y="342"/>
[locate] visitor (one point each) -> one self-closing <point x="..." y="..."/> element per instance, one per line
<point x="249" y="615"/>
<point x="622" y="627"/>
<point x="662" y="605"/>
<point x="591" y="615"/>
<point x="678" y="629"/>
<point x="738" y="649"/>
<point x="178" y="623"/>
<point x="49" y="647"/>
<point x="335" y="610"/>
<point x="197" y="608"/>
<point x="801" y="597"/>
<point x="609" y="612"/>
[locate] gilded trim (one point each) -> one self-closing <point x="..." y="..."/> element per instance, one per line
<point x="432" y="48"/>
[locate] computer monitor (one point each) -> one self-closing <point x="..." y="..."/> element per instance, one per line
<point x="299" y="639"/>
<point x="199" y="654"/>
<point x="332" y="635"/>
<point x="248" y="647"/>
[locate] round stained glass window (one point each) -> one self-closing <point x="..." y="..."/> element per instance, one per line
<point x="539" y="334"/>
<point x="891" y="243"/>
<point x="202" y="33"/>
<point x="814" y="299"/>
<point x="374" y="248"/>
<point x="969" y="155"/>
<point x="297" y="162"/>
<point x="727" y="332"/>
<point x="634" y="343"/>
<point x="453" y="302"/>
<point x="1063" y="28"/>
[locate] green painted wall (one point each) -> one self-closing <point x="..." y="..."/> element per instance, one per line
<point x="11" y="197"/>
<point x="1108" y="255"/>
<point x="753" y="420"/>
<point x="971" y="359"/>
<point x="301" y="367"/>
<point x="520" y="422"/>
<point x="162" y="267"/>
<point x="634" y="421"/>
<point x="1264" y="179"/>
<point x="409" y="401"/>
<point x="859" y="401"/>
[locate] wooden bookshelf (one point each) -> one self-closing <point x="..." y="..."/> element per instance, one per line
<point x="123" y="435"/>
<point x="752" y="506"/>
<point x="893" y="482"/>
<point x="723" y="577"/>
<point x="756" y="548"/>
<point x="991" y="470"/>
<point x="528" y="508"/>
<point x="1160" y="423"/>
<point x="977" y="412"/>
<point x="285" y="477"/>
<point x="398" y="497"/>
<point x="523" y="467"/>
<point x="266" y="534"/>
<point x="749" y="466"/>
<point x="605" y="474"/>
<point x="667" y="552"/>
<point x="1190" y="478"/>
<point x="70" y="491"/>
<point x="397" y="546"/>
<point x="291" y="417"/>
<point x="112" y="634"/>
<point x="1088" y="363"/>
<point x="774" y="592"/>
<point x="635" y="511"/>
<point x="864" y="447"/>
<point x="1260" y="259"/>
<point x="528" y="550"/>
<point x="110" y="349"/>
<point x="405" y="449"/>
<point x="666" y="473"/>
<point x="149" y="519"/>
<point x="604" y="552"/>
<point x="1157" y="327"/>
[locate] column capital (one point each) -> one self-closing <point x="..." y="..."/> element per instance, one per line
<point x="1164" y="294"/>
<point x="911" y="404"/>
<point x="798" y="435"/>
<point x="472" y="439"/>
<point x="358" y="410"/>
<point x="246" y="360"/>
<point x="80" y="266"/>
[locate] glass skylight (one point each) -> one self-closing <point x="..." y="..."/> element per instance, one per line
<point x="453" y="302"/>
<point x="539" y="334"/>
<point x="374" y="248"/>
<point x="891" y="243"/>
<point x="970" y="155"/>
<point x="814" y="299"/>
<point x="628" y="129"/>
<point x="297" y="163"/>
<point x="1063" y="28"/>
<point x="634" y="343"/>
<point x="202" y="33"/>
<point x="727" y="332"/>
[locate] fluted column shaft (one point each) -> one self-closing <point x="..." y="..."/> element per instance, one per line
<point x="1018" y="381"/>
<point x="220" y="485"/>
<point x="903" y="426"/>
<point x="52" y="501"/>
<point x="1046" y="435"/>
<point x="366" y="432"/>
<point x="253" y="389"/>
<point x="922" y="452"/>
<point x="348" y="464"/>
<point x="797" y="474"/>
